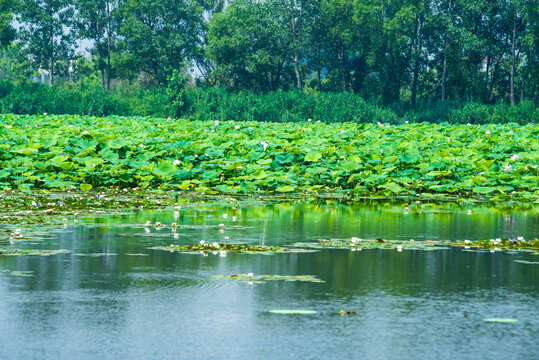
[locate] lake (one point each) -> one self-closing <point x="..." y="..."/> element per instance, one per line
<point x="114" y="298"/>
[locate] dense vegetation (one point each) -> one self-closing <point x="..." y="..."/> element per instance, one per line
<point x="62" y="152"/>
<point x="278" y="106"/>
<point x="389" y="53"/>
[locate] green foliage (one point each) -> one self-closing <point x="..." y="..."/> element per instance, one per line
<point x="36" y="98"/>
<point x="495" y="161"/>
<point x="42" y="30"/>
<point x="176" y="92"/>
<point x="280" y="106"/>
<point x="7" y="32"/>
<point x="159" y="36"/>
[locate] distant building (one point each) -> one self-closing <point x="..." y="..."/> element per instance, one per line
<point x="42" y="76"/>
<point x="484" y="63"/>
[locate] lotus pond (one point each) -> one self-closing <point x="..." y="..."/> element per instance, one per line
<point x="494" y="162"/>
<point x="240" y="279"/>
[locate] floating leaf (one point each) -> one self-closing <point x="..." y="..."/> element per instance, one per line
<point x="527" y="262"/>
<point x="249" y="278"/>
<point x="313" y="157"/>
<point x="501" y="320"/>
<point x="293" y="312"/>
<point x="85" y="187"/>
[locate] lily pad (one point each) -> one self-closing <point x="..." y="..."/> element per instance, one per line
<point x="293" y="312"/>
<point x="22" y="273"/>
<point x="205" y="248"/>
<point x="501" y="320"/>
<point x="18" y="252"/>
<point x="365" y="244"/>
<point x="527" y="262"/>
<point x="253" y="278"/>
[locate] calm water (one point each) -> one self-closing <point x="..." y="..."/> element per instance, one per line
<point x="129" y="302"/>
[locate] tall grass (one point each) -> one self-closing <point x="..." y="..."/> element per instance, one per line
<point x="218" y="104"/>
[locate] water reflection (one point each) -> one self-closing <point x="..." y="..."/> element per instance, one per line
<point x="114" y="298"/>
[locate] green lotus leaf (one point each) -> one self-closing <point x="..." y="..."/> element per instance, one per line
<point x="313" y="157"/>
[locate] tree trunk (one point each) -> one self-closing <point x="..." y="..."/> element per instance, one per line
<point x="416" y="64"/>
<point x="487" y="72"/>
<point x="319" y="70"/>
<point x="99" y="51"/>
<point x="444" y="72"/>
<point x="51" y="61"/>
<point x="108" y="45"/>
<point x="298" y="75"/>
<point x="343" y="65"/>
<point x="522" y="89"/>
<point x="295" y="36"/>
<point x="513" y="60"/>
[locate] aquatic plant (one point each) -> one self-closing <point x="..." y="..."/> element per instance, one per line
<point x="261" y="278"/>
<point x="361" y="160"/>
<point x="19" y="252"/>
<point x="500" y="244"/>
<point x="204" y="249"/>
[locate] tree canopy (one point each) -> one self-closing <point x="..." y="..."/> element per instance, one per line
<point x="387" y="51"/>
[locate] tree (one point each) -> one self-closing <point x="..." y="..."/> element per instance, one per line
<point x="45" y="32"/>
<point x="94" y="21"/>
<point x="447" y="36"/>
<point x="250" y="46"/>
<point x="391" y="27"/>
<point x="7" y="32"/>
<point x="159" y="36"/>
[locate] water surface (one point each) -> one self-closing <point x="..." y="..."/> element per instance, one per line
<point x="113" y="298"/>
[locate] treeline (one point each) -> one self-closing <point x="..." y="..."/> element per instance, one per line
<point x="388" y="52"/>
<point x="275" y="106"/>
